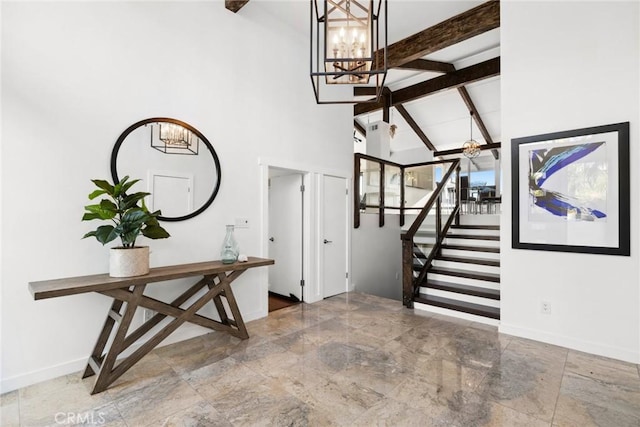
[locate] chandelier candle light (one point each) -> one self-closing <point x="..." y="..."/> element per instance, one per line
<point x="346" y="42"/>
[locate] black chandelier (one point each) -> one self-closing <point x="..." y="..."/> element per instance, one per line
<point x="348" y="52"/>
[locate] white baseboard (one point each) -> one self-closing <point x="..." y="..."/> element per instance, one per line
<point x="572" y="343"/>
<point x="185" y="332"/>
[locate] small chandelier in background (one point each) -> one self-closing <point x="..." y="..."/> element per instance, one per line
<point x="392" y="130"/>
<point x="471" y="148"/>
<point x="174" y="139"/>
<point x="346" y="49"/>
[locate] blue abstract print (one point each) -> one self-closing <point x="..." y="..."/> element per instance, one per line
<point x="544" y="164"/>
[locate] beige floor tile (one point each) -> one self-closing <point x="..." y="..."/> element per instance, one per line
<point x="619" y="397"/>
<point x="392" y="413"/>
<point x="571" y="412"/>
<point x="525" y="379"/>
<point x="199" y="415"/>
<point x="353" y="359"/>
<point x="41" y="403"/>
<point x="157" y="400"/>
<point x="10" y="409"/>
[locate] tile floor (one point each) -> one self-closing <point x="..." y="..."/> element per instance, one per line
<point x="353" y="359"/>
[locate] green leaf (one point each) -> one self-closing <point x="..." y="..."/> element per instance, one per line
<point x="104" y="185"/>
<point x="137" y="216"/>
<point x="106" y="234"/>
<point x="131" y="200"/>
<point x="89" y="234"/>
<point x="103" y="213"/>
<point x="96" y="193"/>
<point x="90" y="215"/>
<point x="108" y="205"/>
<point x="128" y="185"/>
<point x="155" y="232"/>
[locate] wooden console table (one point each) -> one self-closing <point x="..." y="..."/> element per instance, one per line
<point x="217" y="277"/>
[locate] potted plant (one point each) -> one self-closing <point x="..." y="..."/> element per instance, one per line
<point x="129" y="218"/>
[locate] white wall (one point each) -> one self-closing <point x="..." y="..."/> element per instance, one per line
<point x="376" y="256"/>
<point x="570" y="65"/>
<point x="74" y="76"/>
<point x="413" y="155"/>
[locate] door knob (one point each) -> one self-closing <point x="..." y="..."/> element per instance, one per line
<point x="271" y="239"/>
<point x="327" y="241"/>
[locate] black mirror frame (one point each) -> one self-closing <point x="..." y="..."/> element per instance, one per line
<point x="203" y="139"/>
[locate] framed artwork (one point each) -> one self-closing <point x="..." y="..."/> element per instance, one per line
<point x="571" y="191"/>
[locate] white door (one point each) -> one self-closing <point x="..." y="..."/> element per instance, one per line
<point x="285" y="235"/>
<point x="171" y="193"/>
<point x="334" y="239"/>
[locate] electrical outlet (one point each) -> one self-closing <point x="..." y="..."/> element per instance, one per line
<point x="147" y="314"/>
<point x="545" y="307"/>
<point x="242" y="222"/>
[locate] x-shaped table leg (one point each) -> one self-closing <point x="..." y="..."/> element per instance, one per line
<point x="103" y="365"/>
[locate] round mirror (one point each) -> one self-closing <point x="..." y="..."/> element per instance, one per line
<point x="176" y="162"/>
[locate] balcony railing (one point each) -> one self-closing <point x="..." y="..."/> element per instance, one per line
<point x="429" y="189"/>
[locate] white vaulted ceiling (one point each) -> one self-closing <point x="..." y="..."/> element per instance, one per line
<point x="443" y="117"/>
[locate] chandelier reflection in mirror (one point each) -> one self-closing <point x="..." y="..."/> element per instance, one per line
<point x="471" y="148"/>
<point x="347" y="48"/>
<point x="171" y="138"/>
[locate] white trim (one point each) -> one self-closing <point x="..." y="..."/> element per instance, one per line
<point x="185" y="332"/>
<point x="313" y="176"/>
<point x="571" y="343"/>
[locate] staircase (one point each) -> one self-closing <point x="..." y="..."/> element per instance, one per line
<point x="464" y="276"/>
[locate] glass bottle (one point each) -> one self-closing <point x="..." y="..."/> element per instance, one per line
<point x="229" y="251"/>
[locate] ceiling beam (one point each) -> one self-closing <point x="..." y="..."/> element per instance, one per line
<point x="471" y="23"/>
<point x="359" y="127"/>
<point x="428" y="65"/>
<point x="493" y="146"/>
<point x="453" y="80"/>
<point x="412" y="123"/>
<point x="235" y="5"/>
<point x="464" y="93"/>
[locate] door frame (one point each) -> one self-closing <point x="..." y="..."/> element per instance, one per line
<point x="312" y="219"/>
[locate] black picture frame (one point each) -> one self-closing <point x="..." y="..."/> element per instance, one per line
<point x="544" y="219"/>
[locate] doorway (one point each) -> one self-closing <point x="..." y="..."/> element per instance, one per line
<point x="286" y="237"/>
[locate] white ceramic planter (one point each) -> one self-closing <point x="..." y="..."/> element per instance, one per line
<point x="129" y="262"/>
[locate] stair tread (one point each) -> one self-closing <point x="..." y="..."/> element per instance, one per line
<point x="490" y="277"/>
<point x="462" y="289"/>
<point x="471" y="248"/>
<point x="476" y="227"/>
<point x="464" y="306"/>
<point x="472" y="236"/>
<point x="469" y="260"/>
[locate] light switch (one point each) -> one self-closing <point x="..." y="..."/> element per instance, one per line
<point x="242" y="222"/>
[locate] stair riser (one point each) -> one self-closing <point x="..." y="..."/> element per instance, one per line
<point x="466" y="266"/>
<point x="471" y="219"/>
<point x="456" y="314"/>
<point x="461" y="297"/>
<point x="472" y="242"/>
<point x="464" y="281"/>
<point x="474" y="232"/>
<point x="471" y="254"/>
